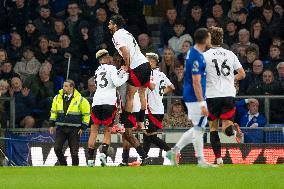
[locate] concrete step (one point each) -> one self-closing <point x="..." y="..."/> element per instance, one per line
<point x="155" y="33"/>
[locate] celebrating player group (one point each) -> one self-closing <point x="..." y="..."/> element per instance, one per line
<point x="136" y="90"/>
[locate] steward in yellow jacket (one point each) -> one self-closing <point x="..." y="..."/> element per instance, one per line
<point x="70" y="112"/>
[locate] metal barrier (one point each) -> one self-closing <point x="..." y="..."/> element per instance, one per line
<point x="11" y="123"/>
<point x="266" y="102"/>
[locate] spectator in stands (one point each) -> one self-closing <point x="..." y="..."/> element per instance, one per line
<point x="112" y="8"/>
<point x="235" y="7"/>
<point x="276" y="40"/>
<point x="27" y="122"/>
<point x="260" y="37"/>
<point x="89" y="11"/>
<point x="176" y="117"/>
<point x="244" y="42"/>
<point x="43" y="89"/>
<point x="132" y="12"/>
<point x="242" y="19"/>
<point x="210" y="22"/>
<point x="15" y="50"/>
<point x="31" y="34"/>
<point x="45" y="22"/>
<point x="274" y="59"/>
<point x="251" y="56"/>
<point x="4" y="87"/>
<point x="61" y="56"/>
<point x="87" y="46"/>
<point x="271" y="22"/>
<point x="184" y="50"/>
<point x="101" y="33"/>
<point x="168" y="62"/>
<point x="167" y="27"/>
<point x="35" y="7"/>
<point x="43" y="51"/>
<point x="3" y="56"/>
<point x="145" y="44"/>
<point x="251" y="85"/>
<point x="255" y="9"/>
<point x="176" y="41"/>
<point x="270" y="86"/>
<point x="184" y="7"/>
<point x="72" y="22"/>
<point x="178" y="79"/>
<point x="29" y="65"/>
<point x="220" y="17"/>
<point x="24" y="100"/>
<point x="248" y="109"/>
<point x="209" y="4"/>
<point x="18" y="15"/>
<point x="90" y="90"/>
<point x="7" y="72"/>
<point x="278" y="9"/>
<point x="58" y="30"/>
<point x="195" y="21"/>
<point x="231" y="34"/>
<point x="280" y="70"/>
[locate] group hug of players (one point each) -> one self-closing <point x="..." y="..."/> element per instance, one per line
<point x="136" y="90"/>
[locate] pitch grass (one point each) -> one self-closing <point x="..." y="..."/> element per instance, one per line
<point x="153" y="177"/>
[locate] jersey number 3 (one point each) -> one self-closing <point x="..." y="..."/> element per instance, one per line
<point x="225" y="69"/>
<point x="103" y="82"/>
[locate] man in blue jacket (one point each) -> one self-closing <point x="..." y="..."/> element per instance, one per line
<point x="249" y="115"/>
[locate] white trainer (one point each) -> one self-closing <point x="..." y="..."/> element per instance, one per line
<point x="90" y="163"/>
<point x="103" y="159"/>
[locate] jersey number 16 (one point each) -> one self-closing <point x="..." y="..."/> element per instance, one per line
<point x="225" y="69"/>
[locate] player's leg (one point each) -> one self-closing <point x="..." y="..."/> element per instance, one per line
<point x="214" y="108"/>
<point x="125" y="154"/>
<point x="105" y="144"/>
<point x="91" y="143"/>
<point x="227" y="117"/>
<point x="141" y="115"/>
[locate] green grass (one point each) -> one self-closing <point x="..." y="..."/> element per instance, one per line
<point x="153" y="177"/>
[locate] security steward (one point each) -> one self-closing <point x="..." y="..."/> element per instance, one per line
<point x="70" y="114"/>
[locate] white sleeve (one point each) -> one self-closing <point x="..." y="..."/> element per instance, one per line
<point x="115" y="78"/>
<point x="118" y="41"/>
<point x="237" y="64"/>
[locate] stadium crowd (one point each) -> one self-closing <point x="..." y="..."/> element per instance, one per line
<point x="39" y="37"/>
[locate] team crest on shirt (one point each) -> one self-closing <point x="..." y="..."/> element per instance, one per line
<point x="195" y="66"/>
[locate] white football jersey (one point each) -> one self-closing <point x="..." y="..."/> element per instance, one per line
<point x="122" y="38"/>
<point x="220" y="67"/>
<point x="122" y="96"/>
<point x="107" y="79"/>
<point x="155" y="97"/>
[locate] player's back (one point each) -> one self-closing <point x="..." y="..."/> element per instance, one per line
<point x="123" y="38"/>
<point x="220" y="66"/>
<point x="105" y="86"/>
<point x="155" y="97"/>
<point x="194" y="65"/>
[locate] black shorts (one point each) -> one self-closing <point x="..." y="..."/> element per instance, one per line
<point x="140" y="76"/>
<point x="103" y="114"/>
<point x="153" y="122"/>
<point x="130" y="120"/>
<point x="221" y="108"/>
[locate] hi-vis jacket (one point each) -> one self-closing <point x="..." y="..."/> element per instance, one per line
<point x="78" y="112"/>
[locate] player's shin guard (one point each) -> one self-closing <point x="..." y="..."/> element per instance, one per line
<point x="229" y="131"/>
<point x="91" y="153"/>
<point x="105" y="148"/>
<point x="141" y="116"/>
<point x="215" y="143"/>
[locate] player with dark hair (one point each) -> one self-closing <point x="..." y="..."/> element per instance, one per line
<point x="139" y="78"/>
